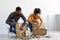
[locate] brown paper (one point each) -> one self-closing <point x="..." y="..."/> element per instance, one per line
<point x="35" y="25"/>
<point x="20" y="33"/>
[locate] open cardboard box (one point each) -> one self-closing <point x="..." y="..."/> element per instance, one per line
<point x="20" y="33"/>
<point x="37" y="31"/>
<point x="40" y="32"/>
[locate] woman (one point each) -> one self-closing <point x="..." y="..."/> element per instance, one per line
<point x="34" y="17"/>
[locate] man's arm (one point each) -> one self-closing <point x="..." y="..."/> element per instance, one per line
<point x="9" y="18"/>
<point x="24" y="19"/>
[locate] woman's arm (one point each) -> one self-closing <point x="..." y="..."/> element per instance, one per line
<point x="41" y="21"/>
<point x="29" y="18"/>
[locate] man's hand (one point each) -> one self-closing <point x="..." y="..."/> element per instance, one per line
<point x="14" y="23"/>
<point x="22" y="27"/>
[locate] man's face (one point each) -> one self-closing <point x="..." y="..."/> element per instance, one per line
<point x="18" y="12"/>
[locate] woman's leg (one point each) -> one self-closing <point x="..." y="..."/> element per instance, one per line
<point x="30" y="26"/>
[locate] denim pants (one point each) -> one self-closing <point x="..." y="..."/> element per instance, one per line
<point x="30" y="26"/>
<point x="12" y="27"/>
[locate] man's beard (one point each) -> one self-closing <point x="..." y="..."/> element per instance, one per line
<point x="18" y="14"/>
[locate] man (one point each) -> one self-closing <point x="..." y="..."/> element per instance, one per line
<point x="13" y="19"/>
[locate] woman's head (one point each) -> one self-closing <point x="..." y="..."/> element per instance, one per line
<point x="37" y="11"/>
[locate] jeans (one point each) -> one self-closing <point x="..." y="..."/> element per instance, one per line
<point x="12" y="27"/>
<point x="30" y="26"/>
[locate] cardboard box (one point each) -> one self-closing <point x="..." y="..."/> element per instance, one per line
<point x="37" y="31"/>
<point x="40" y="32"/>
<point x="35" y="24"/>
<point x="18" y="25"/>
<point x="20" y="33"/>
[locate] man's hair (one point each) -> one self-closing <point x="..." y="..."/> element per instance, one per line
<point x="37" y="11"/>
<point x="18" y="8"/>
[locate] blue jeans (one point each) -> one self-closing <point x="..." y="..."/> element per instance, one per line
<point x="30" y="26"/>
<point x="12" y="27"/>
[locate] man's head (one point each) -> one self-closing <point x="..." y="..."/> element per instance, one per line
<point x="18" y="10"/>
<point x="37" y="11"/>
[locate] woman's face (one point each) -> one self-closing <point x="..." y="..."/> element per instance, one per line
<point x="36" y="13"/>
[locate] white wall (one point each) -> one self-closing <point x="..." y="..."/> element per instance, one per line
<point x="7" y="6"/>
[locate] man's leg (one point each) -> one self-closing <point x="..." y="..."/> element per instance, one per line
<point x="14" y="31"/>
<point x="12" y="27"/>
